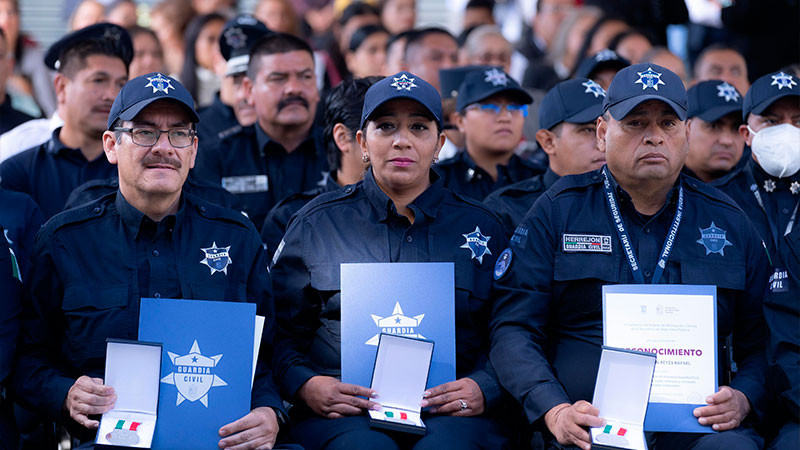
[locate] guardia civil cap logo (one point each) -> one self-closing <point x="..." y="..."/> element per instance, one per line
<point x="783" y="80"/>
<point x="727" y="92"/>
<point x="476" y="242"/>
<point x="593" y="88"/>
<point x="159" y="83"/>
<point x="649" y="79"/>
<point x="496" y="77"/>
<point x="217" y="258"/>
<point x="403" y="83"/>
<point x="397" y="323"/>
<point x="235" y="37"/>
<point x="194" y="375"/>
<point x="713" y="239"/>
<point x="605" y="55"/>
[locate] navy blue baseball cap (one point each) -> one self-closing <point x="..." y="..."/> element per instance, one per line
<point x="579" y="100"/>
<point x="450" y="79"/>
<point x="481" y="84"/>
<point x="641" y="82"/>
<point x="712" y="99"/>
<point x="114" y="37"/>
<point x="601" y="60"/>
<point x="766" y="90"/>
<point x="145" y="89"/>
<point x="237" y="38"/>
<point x="402" y="85"/>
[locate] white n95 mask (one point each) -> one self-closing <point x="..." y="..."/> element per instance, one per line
<point x="777" y="149"/>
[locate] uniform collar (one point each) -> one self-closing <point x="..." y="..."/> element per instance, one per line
<point x="762" y="178"/>
<point x="263" y="139"/>
<point x="672" y="194"/>
<point x="5" y="107"/>
<point x="427" y="203"/>
<point x="549" y="178"/>
<point x="55" y="147"/>
<point x="134" y="219"/>
<point x="328" y="181"/>
<point x="514" y="170"/>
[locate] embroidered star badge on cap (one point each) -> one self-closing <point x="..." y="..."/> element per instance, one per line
<point x="783" y="80"/>
<point x="594" y="88"/>
<point x="496" y="77"/>
<point x="159" y="83"/>
<point x="403" y="82"/>
<point x="235" y="37"/>
<point x="649" y="79"/>
<point x="728" y="92"/>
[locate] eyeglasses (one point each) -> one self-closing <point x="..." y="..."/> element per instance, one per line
<point x="147" y="137"/>
<point x="496" y="109"/>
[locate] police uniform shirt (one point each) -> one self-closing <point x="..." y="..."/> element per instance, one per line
<point x="10" y="117"/>
<point x="360" y="224"/>
<point x="278" y="217"/>
<point x="10" y="308"/>
<point x="20" y="219"/>
<point x="462" y="175"/>
<point x="511" y="203"/>
<point x="260" y="171"/>
<point x="217" y="121"/>
<point x="547" y="326"/>
<point x="775" y="194"/>
<point x="92" y="264"/>
<point x="49" y="172"/>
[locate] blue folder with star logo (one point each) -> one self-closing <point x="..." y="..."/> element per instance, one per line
<point x="408" y="299"/>
<point x="206" y="367"/>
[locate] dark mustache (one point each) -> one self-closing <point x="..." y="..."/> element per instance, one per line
<point x="151" y="159"/>
<point x="291" y="100"/>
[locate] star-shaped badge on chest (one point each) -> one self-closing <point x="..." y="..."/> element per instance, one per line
<point x="769" y="185"/>
<point x="795" y="187"/>
<point x="476" y="243"/>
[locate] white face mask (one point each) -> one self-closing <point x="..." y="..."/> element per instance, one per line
<point x="777" y="149"/>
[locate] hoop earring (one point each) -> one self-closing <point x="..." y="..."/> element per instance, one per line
<point x="365" y="158"/>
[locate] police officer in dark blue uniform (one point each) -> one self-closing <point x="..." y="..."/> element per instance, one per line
<point x="567" y="134"/>
<point x="10" y="278"/>
<point x="283" y="152"/>
<point x="400" y="212"/>
<point x="92" y="65"/>
<point x="782" y="312"/>
<point x="547" y="326"/>
<point x="92" y="264"/>
<point x="343" y="106"/>
<point x="492" y="109"/>
<point x="767" y="188"/>
<point x="229" y="111"/>
<point x="713" y="119"/>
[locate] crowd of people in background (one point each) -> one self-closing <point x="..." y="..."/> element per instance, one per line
<point x="281" y="121"/>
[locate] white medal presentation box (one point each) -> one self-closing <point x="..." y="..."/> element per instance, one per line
<point x="621" y="393"/>
<point x="133" y="369"/>
<point x="401" y="371"/>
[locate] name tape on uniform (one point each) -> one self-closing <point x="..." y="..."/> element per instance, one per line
<point x="586" y="243"/>
<point x="245" y="184"/>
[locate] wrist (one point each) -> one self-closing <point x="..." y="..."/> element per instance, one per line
<point x="551" y="416"/>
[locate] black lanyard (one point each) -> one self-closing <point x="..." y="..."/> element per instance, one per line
<point x="627" y="245"/>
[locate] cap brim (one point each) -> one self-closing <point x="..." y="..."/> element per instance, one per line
<point x="397" y="96"/>
<point x="587" y="115"/>
<point x="759" y="108"/>
<point x="237" y="65"/>
<point x="718" y="112"/>
<point x="621" y="109"/>
<point x="136" y="108"/>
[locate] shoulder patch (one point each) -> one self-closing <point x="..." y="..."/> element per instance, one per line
<point x="503" y="263"/>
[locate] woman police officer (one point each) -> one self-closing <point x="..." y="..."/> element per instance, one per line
<point x="400" y="212"/>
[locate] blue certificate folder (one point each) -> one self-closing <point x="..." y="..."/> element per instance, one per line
<point x="206" y="367"/>
<point x="409" y="299"/>
<point x="671" y="417"/>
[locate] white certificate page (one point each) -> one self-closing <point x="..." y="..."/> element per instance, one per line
<point x="680" y="328"/>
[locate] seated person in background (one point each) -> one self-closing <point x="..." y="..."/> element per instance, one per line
<point x="491" y="110"/>
<point x="722" y="62"/>
<point x="568" y="135"/>
<point x="713" y="121"/>
<point x="342" y="113"/>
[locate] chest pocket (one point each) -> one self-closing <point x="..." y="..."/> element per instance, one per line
<point x="93" y="314"/>
<point x="325" y="277"/>
<point x="580" y="266"/>
<point x="472" y="296"/>
<point x="725" y="276"/>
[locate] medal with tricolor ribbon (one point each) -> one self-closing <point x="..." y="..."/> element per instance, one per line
<point x="124" y="433"/>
